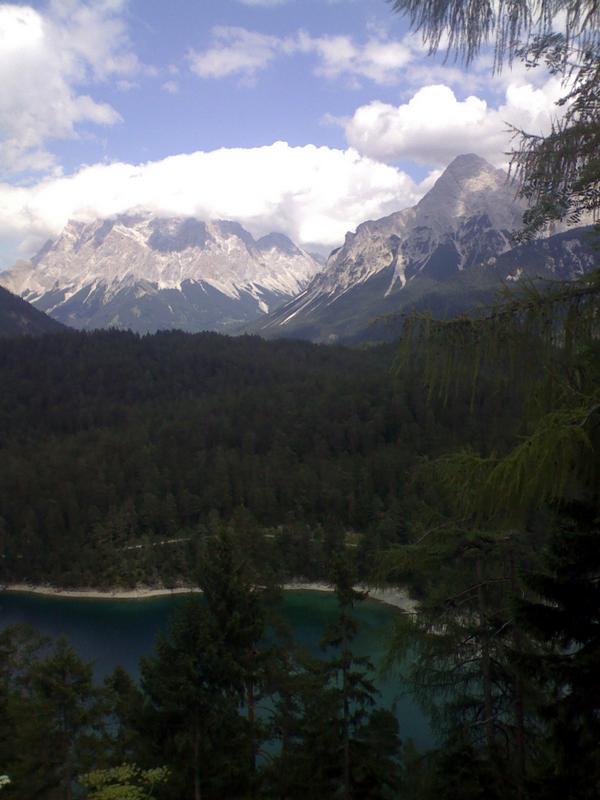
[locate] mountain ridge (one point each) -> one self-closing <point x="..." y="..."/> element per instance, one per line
<point x="462" y="226"/>
<point x="147" y="272"/>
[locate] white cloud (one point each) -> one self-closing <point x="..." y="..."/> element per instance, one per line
<point x="434" y="125"/>
<point x="46" y="58"/>
<point x="314" y="194"/>
<point x="124" y="85"/>
<point x="171" y="87"/>
<point x="378" y="59"/>
<point x="235" y="51"/>
<point x="238" y="51"/>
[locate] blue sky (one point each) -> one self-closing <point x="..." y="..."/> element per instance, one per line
<point x="282" y="100"/>
<point x="305" y="116"/>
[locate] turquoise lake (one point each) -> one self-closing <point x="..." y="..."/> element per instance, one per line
<point x="118" y="632"/>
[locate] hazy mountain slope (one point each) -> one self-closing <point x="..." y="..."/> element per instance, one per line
<point x="18" y="317"/>
<point x="448" y="252"/>
<point x="147" y="273"/>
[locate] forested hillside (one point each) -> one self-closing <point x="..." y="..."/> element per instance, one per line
<point x="463" y="463"/>
<point x="112" y="443"/>
<point x="18" y="317"/>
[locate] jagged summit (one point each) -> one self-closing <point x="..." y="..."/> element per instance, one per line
<point x="277" y="241"/>
<point x="148" y="272"/>
<point x="470" y="211"/>
<point x="464" y="223"/>
<point x="468" y="164"/>
<point x="471" y="186"/>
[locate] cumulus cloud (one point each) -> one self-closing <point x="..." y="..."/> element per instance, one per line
<point x="46" y="58"/>
<point x="378" y="59"/>
<point x="313" y="194"/>
<point x="434" y="125"/>
<point x="171" y="87"/>
<point x="241" y="52"/>
<point x="235" y="51"/>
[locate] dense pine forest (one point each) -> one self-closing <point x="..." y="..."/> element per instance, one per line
<point x="458" y="464"/>
<point x="120" y="453"/>
<point x="462" y="463"/>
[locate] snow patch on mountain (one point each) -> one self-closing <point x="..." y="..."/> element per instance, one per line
<point x="466" y="218"/>
<point x="137" y="256"/>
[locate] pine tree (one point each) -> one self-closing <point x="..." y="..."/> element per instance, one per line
<point x="363" y="741"/>
<point x="541" y="352"/>
<point x="193" y="707"/>
<point x="237" y="620"/>
<point x="57" y="716"/>
<point x="563" y="619"/>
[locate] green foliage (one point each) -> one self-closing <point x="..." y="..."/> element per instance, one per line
<point x="123" y="451"/>
<point x="192" y="703"/>
<point x="563" y="611"/>
<point x="539" y="352"/>
<point x="492" y="625"/>
<point x="52" y="719"/>
<point x="336" y="742"/>
<point x="126" y="782"/>
<point x="471" y="24"/>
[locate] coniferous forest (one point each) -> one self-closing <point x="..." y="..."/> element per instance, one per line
<point x="458" y="465"/>
<point x="127" y="451"/>
<point x="461" y="462"/>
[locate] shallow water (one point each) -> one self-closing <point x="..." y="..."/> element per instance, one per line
<point x="113" y="632"/>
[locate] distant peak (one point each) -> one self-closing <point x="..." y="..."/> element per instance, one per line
<point x="228" y="227"/>
<point x="279" y="241"/>
<point x="467" y="175"/>
<point x="469" y="165"/>
<point x="469" y="158"/>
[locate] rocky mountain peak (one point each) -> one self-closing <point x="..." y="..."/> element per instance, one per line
<point x="465" y="220"/>
<point x="469" y="164"/>
<point x="468" y="187"/>
<point x="111" y="271"/>
<point x="277" y="241"/>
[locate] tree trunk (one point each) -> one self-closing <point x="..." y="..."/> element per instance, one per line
<point x="346" y="728"/>
<point x="197" y="789"/>
<point x="485" y="662"/>
<point x="250" y="701"/>
<point x="519" y="703"/>
<point x="68" y="783"/>
<point x="67" y="757"/>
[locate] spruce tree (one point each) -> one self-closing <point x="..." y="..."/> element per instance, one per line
<point x="538" y="350"/>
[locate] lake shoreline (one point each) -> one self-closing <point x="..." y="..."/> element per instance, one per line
<point x="392" y="596"/>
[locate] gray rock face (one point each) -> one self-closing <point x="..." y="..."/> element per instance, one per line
<point x="459" y="233"/>
<point x="146" y="273"/>
<point x="467" y="216"/>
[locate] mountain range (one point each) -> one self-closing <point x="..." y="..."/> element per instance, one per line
<point x="447" y="254"/>
<point x="450" y="252"/>
<point x="146" y="273"/>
